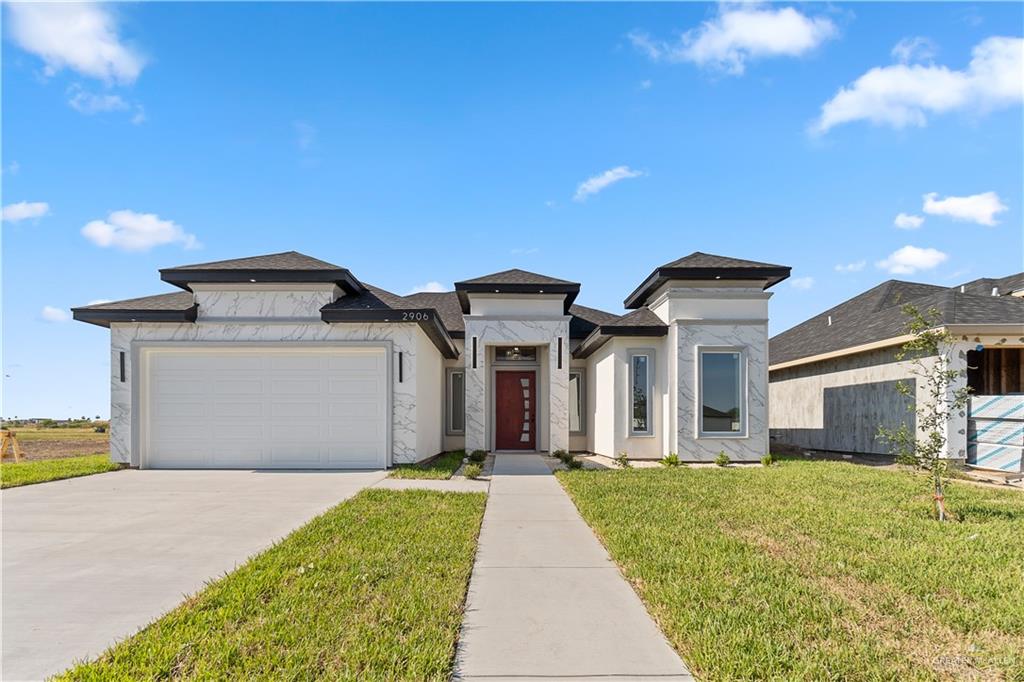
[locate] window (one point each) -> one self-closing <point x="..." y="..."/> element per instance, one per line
<point x="722" y="399"/>
<point x="577" y="402"/>
<point x="516" y="353"/>
<point x="456" y="402"/>
<point x="640" y="393"/>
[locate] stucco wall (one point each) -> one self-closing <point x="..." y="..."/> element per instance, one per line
<point x="127" y="337"/>
<point x="839" y="404"/>
<point x="429" y="373"/>
<point x="608" y="381"/>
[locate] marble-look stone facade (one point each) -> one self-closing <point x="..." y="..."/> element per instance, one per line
<point x="753" y="340"/>
<point x="288" y="304"/>
<point x="491" y="332"/>
<point x="129" y="337"/>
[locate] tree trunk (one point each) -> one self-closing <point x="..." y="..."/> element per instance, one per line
<point x="940" y="505"/>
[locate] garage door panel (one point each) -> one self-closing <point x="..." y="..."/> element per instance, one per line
<point x="251" y="408"/>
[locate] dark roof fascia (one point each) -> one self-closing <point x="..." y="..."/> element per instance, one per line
<point x="104" y="318"/>
<point x="604" y="333"/>
<point x="661" y="275"/>
<point x="182" y="277"/>
<point x="462" y="289"/>
<point x="427" y="318"/>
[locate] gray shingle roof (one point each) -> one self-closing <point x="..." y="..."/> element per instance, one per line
<point x="698" y="259"/>
<point x="985" y="285"/>
<point x="706" y="266"/>
<point x="640" y="322"/>
<point x="514" y="276"/>
<point x="286" y="260"/>
<point x="179" y="300"/>
<point x="877" y="314"/>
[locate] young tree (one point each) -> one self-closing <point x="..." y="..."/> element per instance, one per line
<point x="930" y="351"/>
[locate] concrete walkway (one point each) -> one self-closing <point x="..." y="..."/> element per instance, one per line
<point x="88" y="561"/>
<point x="545" y="601"/>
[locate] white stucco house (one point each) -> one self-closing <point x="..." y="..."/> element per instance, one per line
<point x="286" y="361"/>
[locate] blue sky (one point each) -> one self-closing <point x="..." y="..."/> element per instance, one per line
<point x="431" y="143"/>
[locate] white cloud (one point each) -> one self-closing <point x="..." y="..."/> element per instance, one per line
<point x="802" y="283"/>
<point x="79" y="36"/>
<point x="977" y="208"/>
<point x="646" y="84"/>
<point x="305" y="134"/>
<point x="430" y="287"/>
<point x="131" y="231"/>
<point x="51" y="314"/>
<point x="916" y="49"/>
<point x="855" y="266"/>
<point x="597" y="183"/>
<point x="910" y="259"/>
<point x="739" y="34"/>
<point x="23" y="210"/>
<point x="903" y="95"/>
<point x="91" y="103"/>
<point x="907" y="221"/>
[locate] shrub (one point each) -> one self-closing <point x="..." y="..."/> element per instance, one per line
<point x="722" y="459"/>
<point x="472" y="470"/>
<point x="562" y="455"/>
<point x="573" y="463"/>
<point x="670" y="460"/>
<point x="478" y="456"/>
<point x="622" y="459"/>
<point x="100" y="429"/>
<point x="767" y="460"/>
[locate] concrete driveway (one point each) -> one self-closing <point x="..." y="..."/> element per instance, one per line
<point x="88" y="561"/>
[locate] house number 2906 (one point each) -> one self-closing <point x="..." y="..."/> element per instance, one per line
<point x="415" y="316"/>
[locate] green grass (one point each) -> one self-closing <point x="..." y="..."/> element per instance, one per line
<point x="372" y="589"/>
<point x="817" y="570"/>
<point x="438" y="468"/>
<point x="28" y="472"/>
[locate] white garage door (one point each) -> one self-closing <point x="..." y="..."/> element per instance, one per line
<point x="286" y="408"/>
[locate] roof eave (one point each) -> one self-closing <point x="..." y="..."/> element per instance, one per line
<point x="104" y="318"/>
<point x="605" y="333"/>
<point x="463" y="289"/>
<point x="182" y="277"/>
<point x="770" y="277"/>
<point x="428" y="320"/>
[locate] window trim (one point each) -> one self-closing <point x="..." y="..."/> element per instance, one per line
<point x="582" y="371"/>
<point x="744" y="393"/>
<point x="649" y="353"/>
<point x="448" y="394"/>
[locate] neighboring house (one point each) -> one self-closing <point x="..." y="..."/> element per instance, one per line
<point x="287" y="361"/>
<point x="833" y="378"/>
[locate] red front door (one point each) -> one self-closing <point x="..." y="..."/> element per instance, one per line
<point x="515" y="411"/>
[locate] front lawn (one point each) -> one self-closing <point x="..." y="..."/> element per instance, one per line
<point x="372" y="589"/>
<point x="442" y="467"/>
<point x="817" y="570"/>
<point x="27" y="472"/>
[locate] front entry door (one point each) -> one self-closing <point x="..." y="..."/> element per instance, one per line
<point x="515" y="411"/>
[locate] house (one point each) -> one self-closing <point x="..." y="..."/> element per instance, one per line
<point x="288" y="361"/>
<point x="833" y="378"/>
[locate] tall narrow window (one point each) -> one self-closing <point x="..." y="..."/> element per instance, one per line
<point x="640" y="394"/>
<point x="456" y="402"/>
<point x="577" y="402"/>
<point x="722" y="404"/>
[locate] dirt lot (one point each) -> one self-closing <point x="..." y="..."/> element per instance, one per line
<point x="56" y="443"/>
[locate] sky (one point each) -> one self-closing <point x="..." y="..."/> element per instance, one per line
<point x="422" y="144"/>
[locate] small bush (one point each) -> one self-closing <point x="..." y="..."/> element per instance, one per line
<point x="562" y="455"/>
<point x="478" y="456"/>
<point x="722" y="459"/>
<point x="573" y="463"/>
<point x="767" y="460"/>
<point x="622" y="459"/>
<point x="100" y="429"/>
<point x="670" y="460"/>
<point x="472" y="470"/>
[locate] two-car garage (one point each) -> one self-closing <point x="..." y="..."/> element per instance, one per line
<point x="263" y="407"/>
